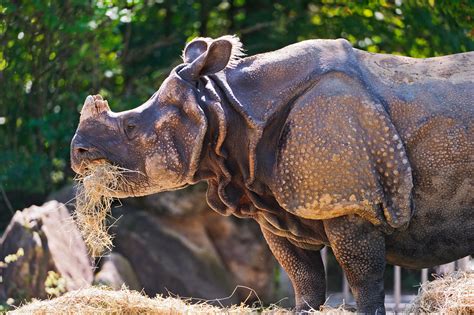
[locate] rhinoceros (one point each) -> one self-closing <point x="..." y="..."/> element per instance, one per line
<point x="321" y="143"/>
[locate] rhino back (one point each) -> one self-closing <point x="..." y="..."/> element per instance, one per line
<point x="431" y="103"/>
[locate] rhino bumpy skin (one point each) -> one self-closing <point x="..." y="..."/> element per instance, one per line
<point x="320" y="143"/>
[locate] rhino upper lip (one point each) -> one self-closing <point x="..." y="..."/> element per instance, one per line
<point x="85" y="165"/>
<point x="95" y="161"/>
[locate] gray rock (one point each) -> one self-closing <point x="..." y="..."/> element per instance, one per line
<point x="201" y="255"/>
<point x="245" y="254"/>
<point x="49" y="242"/>
<point x="167" y="260"/>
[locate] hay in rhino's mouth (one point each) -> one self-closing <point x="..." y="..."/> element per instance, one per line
<point x="96" y="189"/>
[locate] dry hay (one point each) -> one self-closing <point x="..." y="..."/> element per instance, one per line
<point x="93" y="202"/>
<point x="101" y="300"/>
<point x="451" y="294"/>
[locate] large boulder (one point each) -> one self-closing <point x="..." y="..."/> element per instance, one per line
<point x="244" y="253"/>
<point x="167" y="260"/>
<point x="183" y="247"/>
<point x="42" y="253"/>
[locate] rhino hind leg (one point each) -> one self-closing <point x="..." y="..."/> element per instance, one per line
<point x="359" y="248"/>
<point x="305" y="269"/>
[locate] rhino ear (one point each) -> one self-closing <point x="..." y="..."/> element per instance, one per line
<point x="210" y="56"/>
<point x="194" y="49"/>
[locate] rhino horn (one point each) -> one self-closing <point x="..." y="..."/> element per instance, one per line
<point x="93" y="106"/>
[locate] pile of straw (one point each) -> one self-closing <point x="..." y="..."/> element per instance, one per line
<point x="105" y="301"/>
<point x="95" y="300"/>
<point x="94" y="198"/>
<point x="451" y="294"/>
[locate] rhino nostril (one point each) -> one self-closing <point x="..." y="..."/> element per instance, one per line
<point x="82" y="150"/>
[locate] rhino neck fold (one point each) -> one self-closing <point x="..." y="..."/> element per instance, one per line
<point x="223" y="151"/>
<point x="229" y="154"/>
<point x="236" y="182"/>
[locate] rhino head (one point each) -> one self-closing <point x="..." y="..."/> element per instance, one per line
<point x="162" y="139"/>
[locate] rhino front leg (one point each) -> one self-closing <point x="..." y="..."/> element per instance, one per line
<point x="359" y="248"/>
<point x="305" y="269"/>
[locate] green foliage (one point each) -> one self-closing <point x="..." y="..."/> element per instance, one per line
<point x="54" y="53"/>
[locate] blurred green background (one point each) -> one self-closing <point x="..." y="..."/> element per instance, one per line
<point x="54" y="53"/>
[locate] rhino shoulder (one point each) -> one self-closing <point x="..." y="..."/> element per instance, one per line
<point x="340" y="154"/>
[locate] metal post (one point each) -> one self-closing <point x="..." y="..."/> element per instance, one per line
<point x="324" y="257"/>
<point x="397" y="288"/>
<point x="345" y="288"/>
<point x="424" y="275"/>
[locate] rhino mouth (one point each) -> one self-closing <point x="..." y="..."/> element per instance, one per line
<point x="116" y="181"/>
<point x="85" y="166"/>
<point x="90" y="165"/>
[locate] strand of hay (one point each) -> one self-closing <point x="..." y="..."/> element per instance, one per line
<point x="93" y="202"/>
<point x="451" y="294"/>
<point x="102" y="300"/>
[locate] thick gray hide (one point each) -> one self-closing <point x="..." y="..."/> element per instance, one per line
<point x="331" y="131"/>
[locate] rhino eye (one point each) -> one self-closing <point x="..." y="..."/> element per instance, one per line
<point x="130" y="130"/>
